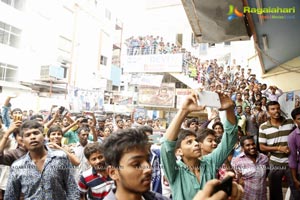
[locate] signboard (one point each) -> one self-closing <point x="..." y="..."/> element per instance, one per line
<point x="147" y="79"/>
<point x="154" y="63"/>
<point x="157" y="96"/>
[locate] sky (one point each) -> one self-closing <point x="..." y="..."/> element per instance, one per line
<point x="142" y="17"/>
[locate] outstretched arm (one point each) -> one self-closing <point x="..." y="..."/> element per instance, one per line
<point x="189" y="105"/>
<point x="14" y="126"/>
<point x="5" y="111"/>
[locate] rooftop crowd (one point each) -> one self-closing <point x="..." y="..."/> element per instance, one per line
<point x="83" y="156"/>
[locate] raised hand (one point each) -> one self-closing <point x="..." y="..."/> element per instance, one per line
<point x="226" y="101"/>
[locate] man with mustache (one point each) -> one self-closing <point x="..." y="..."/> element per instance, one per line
<point x="273" y="138"/>
<point x="251" y="169"/>
<point x="95" y="181"/>
<point x="41" y="173"/>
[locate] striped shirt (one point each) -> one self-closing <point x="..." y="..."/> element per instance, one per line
<point x="276" y="136"/>
<point x="94" y="184"/>
<point x="253" y="174"/>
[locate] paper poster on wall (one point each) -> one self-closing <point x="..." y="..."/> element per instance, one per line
<point x="157" y="96"/>
<point x="288" y="101"/>
<point x="289" y="96"/>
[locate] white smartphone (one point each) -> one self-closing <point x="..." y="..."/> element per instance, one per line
<point x="209" y="99"/>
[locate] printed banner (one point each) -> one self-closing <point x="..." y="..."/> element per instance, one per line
<point x="157" y="96"/>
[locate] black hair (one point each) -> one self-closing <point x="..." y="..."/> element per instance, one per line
<point x="16" y="132"/>
<point x="101" y="119"/>
<point x="53" y="128"/>
<point x="218" y="124"/>
<point x="247" y="137"/>
<point x="145" y="129"/>
<point x="238" y="106"/>
<point x="16" y="109"/>
<point x="193" y="120"/>
<point x="295" y="112"/>
<point x="91" y="148"/>
<point x="203" y="133"/>
<point x="183" y="133"/>
<point x="34" y="117"/>
<point x="258" y="102"/>
<point x="31" y="124"/>
<point x="118" y="115"/>
<point x="122" y="141"/>
<point x="119" y="120"/>
<point x="83" y="128"/>
<point x="263" y="97"/>
<point x="271" y="103"/>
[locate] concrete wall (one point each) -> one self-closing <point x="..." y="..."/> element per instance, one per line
<point x="286" y="76"/>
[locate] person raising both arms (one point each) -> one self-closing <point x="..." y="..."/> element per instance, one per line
<point x="189" y="175"/>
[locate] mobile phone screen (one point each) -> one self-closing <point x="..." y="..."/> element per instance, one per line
<point x="210" y="99"/>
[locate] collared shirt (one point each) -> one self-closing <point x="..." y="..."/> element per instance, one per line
<point x="145" y="196"/>
<point x="94" y="184"/>
<point x="183" y="182"/>
<point x="253" y="174"/>
<point x="8" y="157"/>
<point x="54" y="182"/>
<point x="294" y="146"/>
<point x="276" y="136"/>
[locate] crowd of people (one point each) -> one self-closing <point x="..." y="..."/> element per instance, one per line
<point x="145" y="45"/>
<point x="84" y="156"/>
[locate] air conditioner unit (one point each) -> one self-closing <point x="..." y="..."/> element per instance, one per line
<point x="52" y="72"/>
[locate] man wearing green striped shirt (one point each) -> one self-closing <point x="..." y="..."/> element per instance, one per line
<point x="273" y="139"/>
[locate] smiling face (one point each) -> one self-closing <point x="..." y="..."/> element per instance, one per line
<point x="97" y="161"/>
<point x="219" y="130"/>
<point x="134" y="173"/>
<point x="193" y="126"/>
<point x="249" y="147"/>
<point x="208" y="145"/>
<point x="106" y="132"/>
<point x="274" y="111"/>
<point x="56" y="137"/>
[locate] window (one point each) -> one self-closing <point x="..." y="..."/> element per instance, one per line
<point x="17" y="4"/>
<point x="9" y="35"/>
<point x="8" y="72"/>
<point x="103" y="60"/>
<point x="194" y="42"/>
<point x="115" y="88"/>
<point x="211" y="44"/>
<point x="107" y="14"/>
<point x="64" y="47"/>
<point x="179" y="39"/>
<point x="227" y="43"/>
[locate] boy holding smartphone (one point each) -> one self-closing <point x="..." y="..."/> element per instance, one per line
<point x="189" y="175"/>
